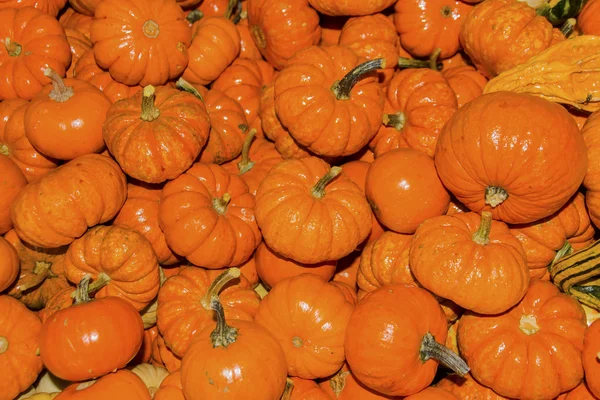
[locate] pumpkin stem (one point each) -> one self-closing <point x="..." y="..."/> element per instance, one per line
<point x="495" y="195"/>
<point x="261" y="290"/>
<point x="433" y="59"/>
<point x="297" y="342"/>
<point x="60" y="93"/>
<point x="3" y="344"/>
<point x="13" y="48"/>
<point x="149" y="110"/>
<point x="41" y="271"/>
<point x="289" y="388"/>
<point x="343" y="87"/>
<point x="194" y="16"/>
<point x="246" y="164"/>
<point x="482" y="235"/>
<point x="432" y="349"/>
<point x="564" y="251"/>
<point x="397" y="120"/>
<point x="528" y="324"/>
<point x="220" y="203"/>
<point x="568" y="27"/>
<point x="4" y="149"/>
<point x="446" y="11"/>
<point x="231" y="6"/>
<point x="432" y="63"/>
<point x="240" y="14"/>
<point x="223" y="335"/>
<point x="318" y="190"/>
<point x="84" y="288"/>
<point x="217" y="285"/>
<point x="151" y="29"/>
<point x="184" y="85"/>
<point x="338" y="382"/>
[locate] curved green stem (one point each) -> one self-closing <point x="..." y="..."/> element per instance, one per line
<point x="318" y="190"/>
<point x="149" y="110"/>
<point x="482" y="235"/>
<point x="343" y="87"/>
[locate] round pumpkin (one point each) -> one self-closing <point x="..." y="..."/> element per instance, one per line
<point x="79" y="43"/>
<point x="589" y="357"/>
<point x="71" y="19"/>
<point x="119" y="385"/>
<point x="590" y="131"/>
<point x="344" y="386"/>
<point x="11" y="184"/>
<point x="467" y="388"/>
<point x="85" y="7"/>
<point x="466" y="81"/>
<point x="433" y="393"/>
<point x="163" y="356"/>
<point x="9" y="264"/>
<point x="170" y="388"/>
<point x="588" y="20"/>
<point x="51" y="7"/>
<point x="352" y="7"/>
<point x="581" y="392"/>
<point x="306" y="389"/>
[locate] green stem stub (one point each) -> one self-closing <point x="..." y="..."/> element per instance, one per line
<point x="431" y="349"/>
<point x="342" y="88"/>
<point x="318" y="191"/>
<point x="149" y="110"/>
<point x="217" y="285"/>
<point x="14" y="49"/>
<point x="482" y="235"/>
<point x="495" y="195"/>
<point x="396" y="120"/>
<point x="246" y="163"/>
<point x="223" y="335"/>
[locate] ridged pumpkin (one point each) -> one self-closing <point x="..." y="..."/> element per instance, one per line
<point x="306" y="389"/>
<point x="11" y="184"/>
<point x="71" y="19"/>
<point x="581" y="392"/>
<point x="163" y="356"/>
<point x="589" y="357"/>
<point x="51" y="7"/>
<point x="119" y="385"/>
<point x="591" y="135"/>
<point x="466" y="82"/>
<point x="433" y="393"/>
<point x="79" y="44"/>
<point x="170" y="388"/>
<point x="353" y="7"/>
<point x="9" y="264"/>
<point x="85" y="7"/>
<point x="467" y="388"/>
<point x="344" y="386"/>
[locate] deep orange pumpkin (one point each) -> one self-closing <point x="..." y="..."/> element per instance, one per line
<point x="433" y="393"/>
<point x="85" y="7"/>
<point x="170" y="388"/>
<point x="11" y="184"/>
<point x="355" y="7"/>
<point x="589" y="356"/>
<point x="9" y="264"/>
<point x="306" y="389"/>
<point x="588" y="20"/>
<point x="581" y="392"/>
<point x="344" y="386"/>
<point x="119" y="385"/>
<point x="79" y="43"/>
<point x="467" y="388"/>
<point x="51" y="7"/>
<point x="71" y="19"/>
<point x="466" y="82"/>
<point x="591" y="135"/>
<point x="163" y="356"/>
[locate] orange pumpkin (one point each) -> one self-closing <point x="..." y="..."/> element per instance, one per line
<point x="347" y="269"/>
<point x="589" y="357"/>
<point x="535" y="341"/>
<point x="248" y="48"/>
<point x="433" y="393"/>
<point x="587" y="20"/>
<point x="20" y="363"/>
<point x="170" y="388"/>
<point x="297" y="204"/>
<point x="418" y="104"/>
<point x="522" y="162"/>
<point x="344" y="386"/>
<point x="64" y="121"/>
<point x="581" y="392"/>
<point x="51" y="7"/>
<point x="184" y="299"/>
<point x="89" y="189"/>
<point x="156" y="134"/>
<point x="163" y="356"/>
<point x="32" y="42"/>
<point x="331" y="28"/>
<point x="355" y="7"/>
<point x="85" y="7"/>
<point x="79" y="43"/>
<point x="11" y="184"/>
<point x="590" y="131"/>
<point x="147" y="47"/>
<point x="145" y="352"/>
<point x="328" y="102"/>
<point x="403" y="189"/>
<point x="71" y="19"/>
<point x="9" y="264"/>
<point x="119" y="385"/>
<point x="466" y="82"/>
<point x="306" y="389"/>
<point x="207" y="215"/>
<point x="280" y="29"/>
<point x="308" y="317"/>
<point x="467" y="388"/>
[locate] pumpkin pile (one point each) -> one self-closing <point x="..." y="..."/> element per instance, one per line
<point x="300" y="199"/>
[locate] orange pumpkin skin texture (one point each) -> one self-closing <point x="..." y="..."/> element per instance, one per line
<point x="306" y="389"/>
<point x="588" y="20"/>
<point x="64" y="121"/>
<point x="91" y="339"/>
<point x="51" y="7"/>
<point x="531" y="344"/>
<point x="33" y="41"/>
<point x="281" y="29"/>
<point x="272" y="268"/>
<point x="9" y="264"/>
<point x="170" y="388"/>
<point x="19" y="343"/>
<point x="79" y="43"/>
<point x="581" y="392"/>
<point x="403" y="315"/>
<point x="182" y="314"/>
<point x="207" y="215"/>
<point x="85" y="7"/>
<point x="148" y="47"/>
<point x="344" y="386"/>
<point x="11" y="184"/>
<point x="433" y="393"/>
<point x="64" y="203"/>
<point x="298" y="206"/>
<point x="307" y="106"/>
<point x="163" y="356"/>
<point x="243" y="81"/>
<point x="590" y="133"/>
<point x="71" y="19"/>
<point x="119" y="385"/>
<point x="156" y="134"/>
<point x="522" y="161"/>
<point x="140" y="212"/>
<point x="500" y="34"/>
<point x="144" y="354"/>
<point x="347" y="269"/>
<point x="404" y="190"/>
<point x="418" y="104"/>
<point x="589" y="357"/>
<point x="248" y="48"/>
<point x="425" y="27"/>
<point x="123" y="254"/>
<point x="87" y="70"/>
<point x="14" y="142"/>
<point x="308" y="316"/>
<point x="467" y="388"/>
<point x="215" y="44"/>
<point x="466" y="81"/>
<point x="335" y="8"/>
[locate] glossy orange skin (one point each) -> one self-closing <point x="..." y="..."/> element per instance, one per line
<point x="120" y="385"/>
<point x="144" y="354"/>
<point x="9" y="264"/>
<point x="345" y="386"/>
<point x="65" y="130"/>
<point x="133" y="52"/>
<point x="403" y="315"/>
<point x="196" y="230"/>
<point x="426" y="101"/>
<point x="590" y="133"/>
<point x="170" y="388"/>
<point x="91" y="339"/>
<point x="280" y="29"/>
<point x="308" y="108"/>
<point x="43" y="45"/>
<point x="355" y="7"/>
<point x="299" y="226"/>
<point x="525" y="366"/>
<point x="306" y="389"/>
<point x="140" y="212"/>
<point x="243" y="81"/>
<point x="248" y="48"/>
<point x="468" y="388"/>
<point x="79" y="44"/>
<point x="65" y="202"/>
<point x="487" y="278"/>
<point x="589" y="357"/>
<point x="163" y="356"/>
<point x="19" y="364"/>
<point x="51" y="7"/>
<point x="581" y="392"/>
<point x="213" y="8"/>
<point x="528" y="146"/>
<point x="11" y="183"/>
<point x="71" y="19"/>
<point x="215" y="44"/>
<point x="85" y="7"/>
<point x="253" y="366"/>
<point x="423" y="27"/>
<point x="588" y="20"/>
<point x="181" y="315"/>
<point x="500" y="34"/>
<point x="248" y="269"/>
<point x="308" y="316"/>
<point x="432" y="393"/>
<point x="542" y="239"/>
<point x="466" y="82"/>
<point x="62" y="299"/>
<point x="123" y="254"/>
<point x="404" y="190"/>
<point x="273" y="268"/>
<point x="36" y="286"/>
<point x="14" y="142"/>
<point x="154" y="151"/>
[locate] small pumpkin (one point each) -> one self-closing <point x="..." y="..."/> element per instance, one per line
<point x="588" y="18"/>
<point x="466" y="82"/>
<point x="331" y="28"/>
<point x="91" y="190"/>
<point x="85" y="7"/>
<point x="170" y="388"/>
<point x="590" y="133"/>
<point x="71" y="19"/>
<point x="157" y="38"/>
<point x="356" y="7"/>
<point x="467" y="388"/>
<point x="120" y="385"/>
<point x="9" y="264"/>
<point x="344" y="386"/>
<point x="433" y="393"/>
<point x="51" y="7"/>
<point x="581" y="392"/>
<point x="589" y="358"/>
<point x="79" y="43"/>
<point x="297" y="203"/>
<point x="11" y="184"/>
<point x="306" y="389"/>
<point x="163" y="356"/>
<point x="32" y="41"/>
